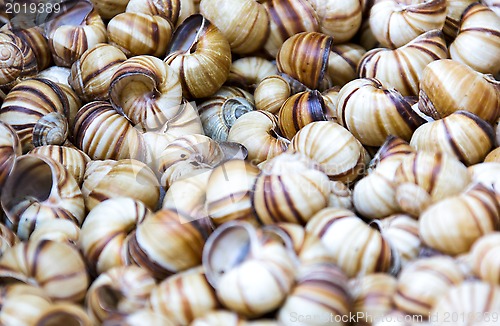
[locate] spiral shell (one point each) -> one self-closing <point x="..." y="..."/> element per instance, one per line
<point x="10" y="149"/>
<point x="120" y="290"/>
<point x="63" y="313"/>
<point x="340" y="195"/>
<point x="247" y="72"/>
<point x="395" y="23"/>
<point x="259" y="132"/>
<point x="343" y="62"/>
<point x="52" y="128"/>
<point x="73" y="32"/>
<point x="290" y="188"/>
<point x="184" y="297"/>
<point x="411" y="60"/>
<point x="102" y="133"/>
<point x="236" y="252"/>
<point x="389" y="156"/>
<point x="271" y="93"/>
<point x="147" y="91"/>
<point x="453" y="224"/>
<point x="201" y="55"/>
<point x="461" y="134"/>
<point x="344" y="160"/>
<point x="479" y="28"/>
<point x="22" y="304"/>
<point x="38" y="189"/>
<point x="124" y="178"/>
<point x="182" y="249"/>
<point x="244" y="23"/>
<point x="33" y="262"/>
<point x="27" y="103"/>
<point x="219" y="112"/>
<point x="454" y="11"/>
<point x="483" y="260"/>
<point x="56" y="230"/>
<point x="487" y="174"/>
<point x="168" y="9"/>
<point x="423" y="281"/>
<point x="402" y="233"/>
<point x="344" y="234"/>
<point x="304" y="56"/>
<point x="107" y="9"/>
<point x="448" y="86"/>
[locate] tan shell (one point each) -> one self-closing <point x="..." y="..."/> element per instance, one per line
<point x="271" y="93"/>
<point x="63" y="313"/>
<point x="343" y="62"/>
<point x="39" y="189"/>
<point x="454" y="11"/>
<point x="107" y="9"/>
<point x="247" y="72"/>
<point x="22" y="304"/>
<point x="340" y="195"/>
<point x="139" y="318"/>
<point x="10" y="149"/>
<point x="32" y="262"/>
<point x="390" y="155"/>
<point x="402" y="233"/>
<point x="487" y="174"/>
<point x="168" y="9"/>
<point x="483" y="260"/>
<point x="56" y="230"/>
<point x="493" y="156"/>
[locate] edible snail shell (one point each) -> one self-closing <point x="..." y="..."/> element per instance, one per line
<point x="271" y="93"/>
<point x="22" y="304"/>
<point x="402" y="233"/>
<point x="483" y="259"/>
<point x="168" y="9"/>
<point x="395" y="23"/>
<point x="37" y="189"/>
<point x="479" y="29"/>
<point x="453" y="224"/>
<point x="107" y="9"/>
<point x="136" y="33"/>
<point x="340" y="195"/>
<point x="250" y="71"/>
<point x="73" y="32"/>
<point x="343" y="62"/>
<point x="56" y="74"/>
<point x="10" y="149"/>
<point x="389" y="156"/>
<point x="120" y="290"/>
<point x="201" y="55"/>
<point x="56" y="230"/>
<point x="487" y="174"/>
<point x="220" y="111"/>
<point x="454" y="11"/>
<point x="410" y="59"/>
<point x="63" y="313"/>
<point x="32" y="262"/>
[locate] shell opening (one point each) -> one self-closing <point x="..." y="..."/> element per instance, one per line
<point x="187" y="35"/>
<point x="60" y="318"/>
<point x="109" y="298"/>
<point x="73" y="12"/>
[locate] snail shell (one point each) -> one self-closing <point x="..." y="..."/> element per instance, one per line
<point x="120" y="290"/>
<point x="448" y="86"/>
<point x="372" y="112"/>
<point x="220" y="111"/>
<point x="487" y="174"/>
<point x="340" y="195"/>
<point x="344" y="160"/>
<point x="493" y="5"/>
<point x="271" y="93"/>
<point x="32" y="262"/>
<point x="107" y="9"/>
<point x="422" y="282"/>
<point x="136" y="33"/>
<point x="104" y="232"/>
<point x="343" y="62"/>
<point x="37" y="189"/>
<point x="56" y="74"/>
<point x="147" y="91"/>
<point x="184" y="297"/>
<point x="201" y="55"/>
<point x="483" y="259"/>
<point x="290" y="188"/>
<point x="91" y="73"/>
<point x="344" y="234"/>
<point x="56" y="230"/>
<point x="411" y="60"/>
<point x="141" y="317"/>
<point x="244" y="23"/>
<point x="237" y="251"/>
<point x="123" y="178"/>
<point x="454" y="11"/>
<point x="7" y="238"/>
<point x="73" y="32"/>
<point x="479" y="28"/>
<point x="493" y="156"/>
<point x="168" y="9"/>
<point x="453" y="224"/>
<point x="395" y="23"/>
<point x="389" y="156"/>
<point x="22" y="303"/>
<point x="63" y="313"/>
<point x="461" y="134"/>
<point x="250" y="71"/>
<point x="28" y="103"/>
<point x="402" y="233"/>
<point x="10" y="149"/>
<point x="259" y="132"/>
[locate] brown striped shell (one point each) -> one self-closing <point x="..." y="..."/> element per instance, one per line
<point x="344" y="235"/>
<point x="201" y="55"/>
<point x="291" y="188"/>
<point x="395" y="22"/>
<point x="422" y="282"/>
<point x="304" y="57"/>
<point x="219" y="112"/>
<point x="402" y="233"/>
<point x="461" y="134"/>
<point x="32" y="262"/>
<point x="63" y="313"/>
<point x="166" y="243"/>
<point x="136" y="33"/>
<point x="479" y="29"/>
<point x="28" y="103"/>
<point x="52" y="128"/>
<point x="247" y="72"/>
<point x="259" y="132"/>
<point x="73" y="32"/>
<point x="453" y="224"/>
<point x="390" y="154"/>
<point x="123" y="178"/>
<point x="454" y="11"/>
<point x="320" y="290"/>
<point x="244" y="23"/>
<point x="271" y="93"/>
<point x="120" y="290"/>
<point x="236" y="252"/>
<point x="168" y="9"/>
<point x="7" y="238"/>
<point x="38" y="189"/>
<point x="343" y="62"/>
<point x="287" y="18"/>
<point x="22" y="303"/>
<point x="448" y="86"/>
<point x="344" y="159"/>
<point x="372" y="111"/>
<point x="410" y="60"/>
<point x="91" y="73"/>
<point x="57" y="230"/>
<point x="107" y="9"/>
<point x="184" y="297"/>
<point x="10" y="149"/>
<point x="104" y="232"/>
<point x="483" y="258"/>
<point x="487" y="174"/>
<point x="229" y="191"/>
<point x="102" y="133"/>
<point x="147" y="91"/>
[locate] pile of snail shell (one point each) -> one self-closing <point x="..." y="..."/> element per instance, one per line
<point x="251" y="162"/>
